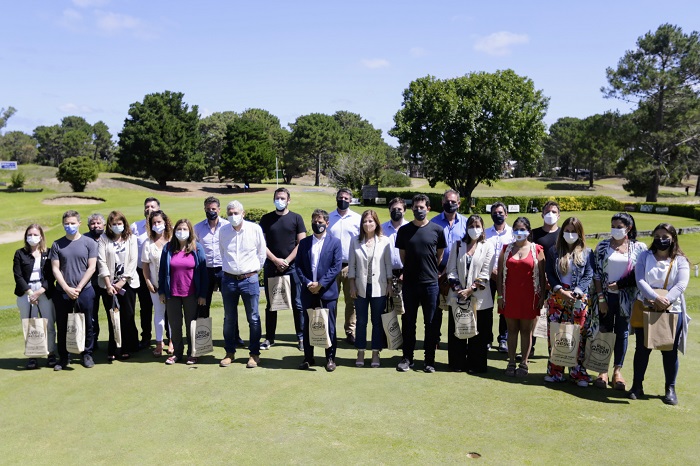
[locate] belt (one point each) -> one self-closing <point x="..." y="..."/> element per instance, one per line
<point x="345" y="264"/>
<point x="397" y="272"/>
<point x="240" y="277"/>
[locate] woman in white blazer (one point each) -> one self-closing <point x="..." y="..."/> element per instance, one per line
<point x="370" y="274"/>
<point x="116" y="265"/>
<point x="468" y="271"/>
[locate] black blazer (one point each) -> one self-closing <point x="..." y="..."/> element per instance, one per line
<point x="22" y="266"/>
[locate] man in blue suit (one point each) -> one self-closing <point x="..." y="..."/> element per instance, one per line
<point x="319" y="261"/>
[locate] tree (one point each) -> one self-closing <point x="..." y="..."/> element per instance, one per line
<point x="248" y="154"/>
<point x="5" y="115"/>
<point x="661" y="76"/>
<point x="74" y="137"/>
<point x="561" y="144"/>
<point x="49" y="140"/>
<point x="78" y="172"/>
<point x="160" y="137"/>
<point x="314" y="143"/>
<point x="18" y="146"/>
<point x="278" y="136"/>
<point x="212" y="130"/>
<point x="467" y="128"/>
<point x="103" y="143"/>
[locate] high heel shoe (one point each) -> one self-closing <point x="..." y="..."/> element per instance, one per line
<point x="375" y="358"/>
<point x="360" y="358"/>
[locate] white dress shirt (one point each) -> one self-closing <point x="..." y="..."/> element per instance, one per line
<point x="498" y="239"/>
<point x="389" y="231"/>
<point x="316" y="247"/>
<point x="242" y="251"/>
<point x="139" y="229"/>
<point x="210" y="240"/>
<point x="344" y="228"/>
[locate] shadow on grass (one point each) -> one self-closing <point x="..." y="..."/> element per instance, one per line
<point x="563" y="186"/>
<point x="151" y="185"/>
<point x="233" y="190"/>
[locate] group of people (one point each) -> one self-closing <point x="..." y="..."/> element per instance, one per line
<point x="450" y="262"/>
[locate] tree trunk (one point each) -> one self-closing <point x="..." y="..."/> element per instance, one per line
<point x="590" y="176"/>
<point x="318" y="171"/>
<point x="653" y="193"/>
<point x="162" y="183"/>
<point x="697" y="187"/>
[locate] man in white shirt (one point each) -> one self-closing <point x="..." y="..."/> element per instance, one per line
<point x="397" y="209"/>
<point x="243" y="251"/>
<point x="344" y="225"/>
<point x="140" y="230"/>
<point x="499" y="235"/>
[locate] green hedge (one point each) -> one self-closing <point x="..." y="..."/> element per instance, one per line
<point x="566" y="203"/>
<point x="435" y="198"/>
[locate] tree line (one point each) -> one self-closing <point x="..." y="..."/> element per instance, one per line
<point x="462" y="131"/>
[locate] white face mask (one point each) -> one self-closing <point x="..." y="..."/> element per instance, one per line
<point x="235" y="219"/>
<point x="474" y="233"/>
<point x="117" y="229"/>
<point x="521" y="235"/>
<point x="182" y="235"/>
<point x="551" y="218"/>
<point x="158" y="228"/>
<point x="570" y="238"/>
<point x="618" y="233"/>
<point x="33" y="240"/>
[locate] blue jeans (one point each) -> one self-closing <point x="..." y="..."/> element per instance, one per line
<point x="424" y="295"/>
<point x="614" y="322"/>
<point x="249" y="290"/>
<point x="297" y="312"/>
<point x="378" y="305"/>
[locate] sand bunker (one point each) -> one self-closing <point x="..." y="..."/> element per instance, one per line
<point x="72" y="200"/>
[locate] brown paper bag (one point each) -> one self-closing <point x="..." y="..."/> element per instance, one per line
<point x="599" y="351"/>
<point x="36" y="343"/>
<point x="75" y="333"/>
<point x="280" y="293"/>
<point x="318" y="328"/>
<point x="200" y="335"/>
<point x="660" y="330"/>
<point x="392" y="329"/>
<point x="564" y="339"/>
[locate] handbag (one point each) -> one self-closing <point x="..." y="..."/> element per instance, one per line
<point x="75" y="332"/>
<point x="318" y="328"/>
<point x="540" y="330"/>
<point x="36" y="342"/>
<point x="280" y="293"/>
<point x="392" y="329"/>
<point x="114" y="316"/>
<point x="639" y="307"/>
<point x="464" y="315"/>
<point x="660" y="330"/>
<point x="564" y="339"/>
<point x="599" y="351"/>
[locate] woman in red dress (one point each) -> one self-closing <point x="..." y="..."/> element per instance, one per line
<point x="521" y="285"/>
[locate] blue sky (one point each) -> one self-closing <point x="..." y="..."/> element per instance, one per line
<point x="94" y="58"/>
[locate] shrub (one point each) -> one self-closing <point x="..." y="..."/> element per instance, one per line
<point x="254" y="215"/>
<point x="18" y="179"/>
<point x="78" y="172"/>
<point x="393" y="178"/>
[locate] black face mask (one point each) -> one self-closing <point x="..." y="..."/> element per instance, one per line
<point x="211" y="214"/>
<point x="498" y="219"/>
<point x="97" y="232"/>
<point x="342" y="204"/>
<point x="396" y="215"/>
<point x="661" y="244"/>
<point x="318" y="228"/>
<point x="449" y="207"/>
<point x="420" y="214"/>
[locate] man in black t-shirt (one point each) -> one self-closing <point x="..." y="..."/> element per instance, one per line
<point x="420" y="244"/>
<point x="283" y="230"/>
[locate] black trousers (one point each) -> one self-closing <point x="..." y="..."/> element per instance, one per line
<point x="470" y="355"/>
<point x="63" y="306"/>
<point x="146" y="305"/>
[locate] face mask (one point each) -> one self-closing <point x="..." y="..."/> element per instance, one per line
<point x="117" y="229"/>
<point x="97" y="231"/>
<point x="521" y="235"/>
<point x="420" y="214"/>
<point x="318" y="228"/>
<point x="396" y="215"/>
<point x="235" y="219"/>
<point x="449" y="207"/>
<point x="570" y="238"/>
<point x="498" y="219"/>
<point x="33" y="240"/>
<point x="661" y="244"/>
<point x="618" y="233"/>
<point x="158" y="228"/>
<point x="474" y="233"/>
<point x="71" y="229"/>
<point x="212" y="214"/>
<point x="342" y="204"/>
<point x="550" y="218"/>
<point x="280" y="204"/>
<point x="182" y="235"/>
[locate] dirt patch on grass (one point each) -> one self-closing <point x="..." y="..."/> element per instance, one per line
<point x="11" y="236"/>
<point x="72" y="200"/>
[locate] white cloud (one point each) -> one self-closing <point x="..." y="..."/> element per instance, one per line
<point x="108" y="21"/>
<point x="375" y="63"/>
<point x="499" y="43"/>
<point x="70" y="19"/>
<point x="89" y="3"/>
<point x="74" y="108"/>
<point x="418" y="52"/>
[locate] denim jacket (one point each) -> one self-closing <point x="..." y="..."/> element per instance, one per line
<point x="581" y="275"/>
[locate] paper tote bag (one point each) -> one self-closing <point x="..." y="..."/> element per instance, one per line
<point x="599" y="351"/>
<point x="318" y="328"/>
<point x="394" y="338"/>
<point x="116" y="322"/>
<point x="280" y="293"/>
<point x="75" y="333"/>
<point x="36" y="343"/>
<point x="465" y="320"/>
<point x="564" y="339"/>
<point x="660" y="330"/>
<point x="200" y="334"/>
<point x="540" y="330"/>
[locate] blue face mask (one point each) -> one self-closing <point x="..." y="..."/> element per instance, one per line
<point x="71" y="229"/>
<point x="521" y="235"/>
<point x="280" y="204"/>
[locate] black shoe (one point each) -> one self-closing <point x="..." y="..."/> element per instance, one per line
<point x="31" y="364"/>
<point x="429" y="368"/>
<point x="518" y="356"/>
<point x="404" y="365"/>
<point x="671" y="398"/>
<point x="143" y="344"/>
<point x="240" y="344"/>
<point x="60" y="365"/>
<point x="306" y="365"/>
<point x="51" y="361"/>
<point x="330" y="365"/>
<point x="350" y="339"/>
<point x="88" y="362"/>
<point x="300" y="345"/>
<point x="635" y="393"/>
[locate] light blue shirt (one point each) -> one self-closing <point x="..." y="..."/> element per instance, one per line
<point x="210" y="240"/>
<point x="389" y="231"/>
<point x="453" y="233"/>
<point x="345" y="229"/>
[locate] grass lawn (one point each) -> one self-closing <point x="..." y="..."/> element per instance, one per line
<point x="142" y="411"/>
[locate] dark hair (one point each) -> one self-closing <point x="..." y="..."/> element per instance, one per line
<point x="319" y="213"/>
<point x="451" y="191"/>
<point x="70" y="213"/>
<point x="167" y="233"/>
<point x="210" y="200"/>
<point x="628" y="220"/>
<point x="397" y="200"/>
<point x="151" y="199"/>
<point x="115" y="216"/>
<point x="421" y="198"/>
<point x="675" y="247"/>
<point x="191" y="241"/>
<point x="550" y="204"/>
<point x="525" y="221"/>
<point x="373" y="214"/>
<point x="42" y="243"/>
<point x="344" y="190"/>
<point x="470" y="221"/>
<point x="286" y="191"/>
<point x="498" y="204"/>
